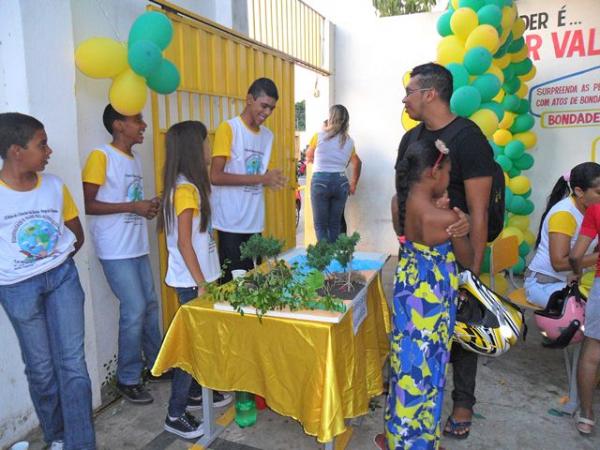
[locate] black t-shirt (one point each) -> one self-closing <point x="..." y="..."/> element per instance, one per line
<point x="470" y="153"/>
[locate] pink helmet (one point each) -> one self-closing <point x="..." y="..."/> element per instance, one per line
<point x="561" y="322"/>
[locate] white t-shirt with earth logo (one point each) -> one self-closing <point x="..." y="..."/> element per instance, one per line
<point x="119" y="175"/>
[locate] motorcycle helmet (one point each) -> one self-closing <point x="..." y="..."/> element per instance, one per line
<point x="486" y="322"/>
<point x="561" y="322"/>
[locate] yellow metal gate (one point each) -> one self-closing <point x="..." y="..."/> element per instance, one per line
<point x="217" y="66"/>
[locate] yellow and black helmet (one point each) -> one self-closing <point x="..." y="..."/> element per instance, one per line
<point x="486" y="323"/>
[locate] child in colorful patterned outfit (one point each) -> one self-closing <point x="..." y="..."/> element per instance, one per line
<point x="40" y="290"/>
<point x="193" y="259"/>
<point x="424" y="299"/>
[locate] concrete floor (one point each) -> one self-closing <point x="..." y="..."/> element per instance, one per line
<point x="515" y="393"/>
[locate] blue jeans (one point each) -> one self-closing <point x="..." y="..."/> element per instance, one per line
<point x="183" y="385"/>
<point x="328" y="192"/>
<point x="539" y="293"/>
<point x="132" y="283"/>
<point x="46" y="312"/>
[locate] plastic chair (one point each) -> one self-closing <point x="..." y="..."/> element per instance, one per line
<point x="505" y="254"/>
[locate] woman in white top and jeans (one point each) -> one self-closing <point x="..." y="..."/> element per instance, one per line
<point x="559" y="228"/>
<point x="331" y="151"/>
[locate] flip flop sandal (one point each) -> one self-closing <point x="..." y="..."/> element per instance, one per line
<point x="456" y="427"/>
<point x="584" y="421"/>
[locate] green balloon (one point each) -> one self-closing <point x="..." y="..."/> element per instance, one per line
<point x="485" y="264"/>
<point x="443" y="24"/>
<point x="522" y="67"/>
<point x="151" y="26"/>
<point x="488" y="86"/>
<point x="508" y="195"/>
<point x="496" y="107"/>
<point x="519" y="267"/>
<point x="498" y="3"/>
<point x="473" y="4"/>
<point x="523" y="106"/>
<point x="524" y="249"/>
<point x="510" y="103"/>
<point x="514" y="149"/>
<point x="504" y="162"/>
<point x="460" y="76"/>
<point x="511" y="86"/>
<point x="165" y="79"/>
<point x="144" y="57"/>
<point x="524" y="162"/>
<point x="523" y="122"/>
<point x="508" y="2"/>
<point x="527" y="194"/>
<point x="517" y="205"/>
<point x="514" y="172"/>
<point x="529" y="207"/>
<point x="509" y="72"/>
<point x="465" y="101"/>
<point x="516" y="45"/>
<point x="498" y="150"/>
<point x="477" y="60"/>
<point x="490" y="15"/>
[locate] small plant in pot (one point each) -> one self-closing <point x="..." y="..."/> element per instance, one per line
<point x="343" y="251"/>
<point x="319" y="256"/>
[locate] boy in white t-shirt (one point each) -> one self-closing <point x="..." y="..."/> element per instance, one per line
<point x="238" y="172"/>
<point x="40" y="290"/>
<point x="114" y="198"/>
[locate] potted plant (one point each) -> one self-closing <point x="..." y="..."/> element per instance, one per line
<point x="260" y="247"/>
<point x="343" y="251"/>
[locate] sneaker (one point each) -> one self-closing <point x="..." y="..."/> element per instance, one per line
<point x="57" y="445"/>
<point x="219" y="399"/>
<point x="185" y="426"/>
<point x="136" y="393"/>
<point x="167" y="376"/>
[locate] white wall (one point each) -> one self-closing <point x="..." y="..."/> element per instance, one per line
<point x="38" y="77"/>
<point x="372" y="55"/>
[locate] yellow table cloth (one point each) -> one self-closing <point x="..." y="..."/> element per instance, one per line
<point x="317" y="373"/>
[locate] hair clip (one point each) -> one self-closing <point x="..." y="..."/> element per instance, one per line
<point x="439" y="144"/>
<point x="567" y="176"/>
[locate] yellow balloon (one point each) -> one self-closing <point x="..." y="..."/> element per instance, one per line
<point x="529" y="75"/>
<point x="512" y="231"/>
<point x="128" y="93"/>
<point x="520" y="222"/>
<point x="508" y="120"/>
<point x="407" y="122"/>
<point x="502" y="137"/>
<point x="503" y="61"/>
<point x="484" y="36"/>
<point x="450" y="49"/>
<point x="528" y="138"/>
<point x="500" y="96"/>
<point x="463" y="21"/>
<point x="529" y="238"/>
<point x="501" y="284"/>
<point x="518" y="28"/>
<point x="508" y="18"/>
<point x="522" y="91"/>
<point x="504" y="36"/>
<point x="494" y="70"/>
<point x="519" y="185"/>
<point x="406" y="79"/>
<point x="101" y="57"/>
<point x="486" y="120"/>
<point x="520" y="55"/>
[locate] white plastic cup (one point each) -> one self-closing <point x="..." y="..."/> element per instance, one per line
<point x="238" y="273"/>
<point x="21" y="445"/>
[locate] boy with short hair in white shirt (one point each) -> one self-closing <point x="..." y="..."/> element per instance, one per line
<point x="239" y="170"/>
<point x="114" y="197"/>
<point x="40" y="290"/>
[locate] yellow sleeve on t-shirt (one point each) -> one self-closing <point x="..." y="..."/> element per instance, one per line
<point x="313" y="141"/>
<point x="562" y="222"/>
<point x="186" y="197"/>
<point x="353" y="152"/>
<point x="95" y="168"/>
<point x="69" y="207"/>
<point x="223" y="140"/>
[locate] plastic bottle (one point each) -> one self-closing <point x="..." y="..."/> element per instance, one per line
<point x="245" y="409"/>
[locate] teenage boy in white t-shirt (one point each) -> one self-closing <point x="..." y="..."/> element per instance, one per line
<point x="114" y="197"/>
<point x="40" y="290"/>
<point x="238" y="172"/>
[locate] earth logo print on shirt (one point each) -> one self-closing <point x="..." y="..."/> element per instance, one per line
<point x="135" y="191"/>
<point x="253" y="163"/>
<point x="36" y="237"/>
